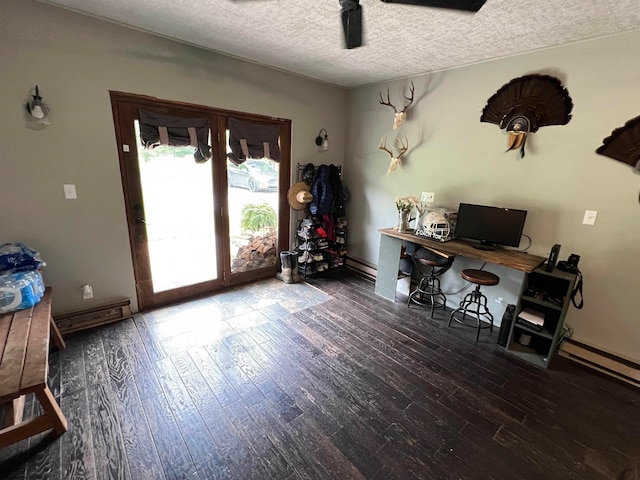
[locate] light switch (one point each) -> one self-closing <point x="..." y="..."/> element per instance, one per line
<point x="590" y="217"/>
<point x="125" y="147"/>
<point x="70" y="191"/>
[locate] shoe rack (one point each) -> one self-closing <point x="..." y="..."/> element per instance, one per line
<point x="321" y="244"/>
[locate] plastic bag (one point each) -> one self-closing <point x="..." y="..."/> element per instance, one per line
<point x="17" y="257"/>
<point x="20" y="290"/>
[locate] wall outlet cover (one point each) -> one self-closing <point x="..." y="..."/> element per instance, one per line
<point x="87" y="292"/>
<point x="427" y="197"/>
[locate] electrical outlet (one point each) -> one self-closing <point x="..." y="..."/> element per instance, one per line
<point x="427" y="197"/>
<point x="87" y="292"/>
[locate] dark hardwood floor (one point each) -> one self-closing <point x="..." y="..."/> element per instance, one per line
<point x="275" y="381"/>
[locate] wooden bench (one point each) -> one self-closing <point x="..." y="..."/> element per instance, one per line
<point x="24" y="364"/>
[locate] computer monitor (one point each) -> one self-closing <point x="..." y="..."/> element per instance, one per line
<point x="490" y="225"/>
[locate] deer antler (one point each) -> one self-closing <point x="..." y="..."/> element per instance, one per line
<point x="404" y="145"/>
<point x="383" y="145"/>
<point x="399" y="116"/>
<point x="389" y="104"/>
<point x="397" y="159"/>
<point x="412" y="89"/>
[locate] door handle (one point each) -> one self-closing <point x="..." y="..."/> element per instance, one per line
<point x="140" y="220"/>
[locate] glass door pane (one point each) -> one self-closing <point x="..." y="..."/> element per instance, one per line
<point x="253" y="213"/>
<point x="178" y="215"/>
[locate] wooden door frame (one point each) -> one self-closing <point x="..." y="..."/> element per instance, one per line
<point x="221" y="216"/>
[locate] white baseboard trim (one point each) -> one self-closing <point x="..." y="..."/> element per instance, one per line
<point x="605" y="362"/>
<point x="362" y="267"/>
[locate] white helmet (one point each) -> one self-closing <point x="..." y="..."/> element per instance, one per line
<point x="436" y="226"/>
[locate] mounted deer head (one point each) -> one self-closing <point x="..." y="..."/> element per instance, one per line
<point x="399" y="116"/>
<point x="402" y="148"/>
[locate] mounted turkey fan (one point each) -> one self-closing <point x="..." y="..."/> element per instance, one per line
<point x="624" y="144"/>
<point x="525" y="104"/>
<point x="352" y="14"/>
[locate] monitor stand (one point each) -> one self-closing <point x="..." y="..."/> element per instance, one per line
<point x="486" y="246"/>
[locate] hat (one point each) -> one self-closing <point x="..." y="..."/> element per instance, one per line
<point x="308" y="173"/>
<point x="299" y="195"/>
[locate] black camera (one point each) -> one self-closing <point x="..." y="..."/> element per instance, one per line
<point x="571" y="264"/>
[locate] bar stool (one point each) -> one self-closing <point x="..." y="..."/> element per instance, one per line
<point x="475" y="303"/>
<point x="429" y="265"/>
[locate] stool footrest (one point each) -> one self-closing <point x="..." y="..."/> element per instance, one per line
<point x="474" y="304"/>
<point x="427" y="293"/>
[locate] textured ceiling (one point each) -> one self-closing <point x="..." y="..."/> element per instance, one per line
<point x="305" y="36"/>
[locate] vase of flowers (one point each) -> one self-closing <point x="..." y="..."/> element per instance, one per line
<point x="405" y="205"/>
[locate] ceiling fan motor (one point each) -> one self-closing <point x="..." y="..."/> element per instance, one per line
<point x="352" y="14"/>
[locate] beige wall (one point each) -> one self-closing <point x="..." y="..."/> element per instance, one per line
<point x="76" y="60"/>
<point x="461" y="159"/>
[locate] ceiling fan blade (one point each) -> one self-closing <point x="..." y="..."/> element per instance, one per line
<point x="351" y="23"/>
<point x="468" y="5"/>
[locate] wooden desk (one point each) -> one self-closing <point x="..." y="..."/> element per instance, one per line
<point x="391" y="247"/>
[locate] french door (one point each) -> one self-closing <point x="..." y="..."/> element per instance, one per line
<point x="192" y="223"/>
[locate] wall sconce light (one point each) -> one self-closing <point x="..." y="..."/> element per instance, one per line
<point x="37" y="109"/>
<point x="323" y="140"/>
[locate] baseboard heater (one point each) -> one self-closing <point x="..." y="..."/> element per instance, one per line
<point x="94" y="316"/>
<point x="363" y="268"/>
<point x="605" y="362"/>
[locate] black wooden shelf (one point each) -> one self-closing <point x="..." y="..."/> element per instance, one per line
<point x="545" y="332"/>
<point x="543" y="343"/>
<point x="543" y="303"/>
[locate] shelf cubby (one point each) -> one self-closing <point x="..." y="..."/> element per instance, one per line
<point x="548" y="294"/>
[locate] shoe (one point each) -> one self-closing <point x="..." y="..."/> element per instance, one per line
<point x="305" y="258"/>
<point x="305" y="233"/>
<point x="286" y="276"/>
<point x="307" y="269"/>
<point x="310" y="245"/>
